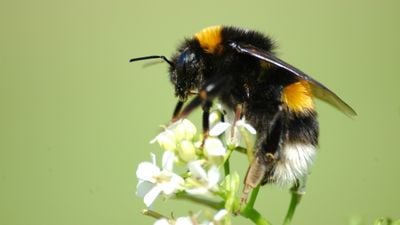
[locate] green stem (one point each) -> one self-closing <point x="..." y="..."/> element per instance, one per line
<point x="227" y="168"/>
<point x="250" y="213"/>
<point x="295" y="200"/>
<point x="253" y="215"/>
<point x="212" y="204"/>
<point x="241" y="150"/>
<point x="154" y="214"/>
<point x="253" y="197"/>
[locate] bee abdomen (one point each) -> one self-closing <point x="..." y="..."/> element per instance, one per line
<point x="294" y="163"/>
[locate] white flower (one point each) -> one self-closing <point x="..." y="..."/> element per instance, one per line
<point x="175" y="133"/>
<point x="184" y="221"/>
<point x="184" y="130"/>
<point x="243" y="124"/>
<point x="219" y="128"/>
<point x="166" y="140"/>
<point x="179" y="221"/>
<point x="220" y="214"/>
<point x="187" y="151"/>
<point x="218" y="217"/>
<point x="202" y="181"/>
<point x="153" y="181"/>
<point x="240" y="125"/>
<point x="214" y="147"/>
<point x="192" y="220"/>
<point x="162" y="221"/>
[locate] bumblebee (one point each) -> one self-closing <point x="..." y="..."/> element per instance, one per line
<point x="240" y="68"/>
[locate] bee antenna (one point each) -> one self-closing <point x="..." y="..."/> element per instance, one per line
<point x="152" y="57"/>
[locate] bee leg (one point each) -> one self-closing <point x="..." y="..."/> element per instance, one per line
<point x="297" y="191"/>
<point x="256" y="172"/>
<point x="265" y="159"/>
<point x="206" y="122"/>
<point x="177" y="109"/>
<point x="207" y="93"/>
<point x="196" y="102"/>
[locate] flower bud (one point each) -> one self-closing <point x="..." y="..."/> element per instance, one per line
<point x="214" y="147"/>
<point x="187" y="152"/>
<point x="185" y="130"/>
<point x="231" y="184"/>
<point x="167" y="140"/>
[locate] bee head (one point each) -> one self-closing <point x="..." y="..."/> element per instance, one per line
<point x="185" y="70"/>
<point x="186" y="73"/>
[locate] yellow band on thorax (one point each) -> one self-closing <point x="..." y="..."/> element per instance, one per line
<point x="210" y="39"/>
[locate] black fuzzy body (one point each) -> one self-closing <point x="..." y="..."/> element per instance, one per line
<point x="248" y="82"/>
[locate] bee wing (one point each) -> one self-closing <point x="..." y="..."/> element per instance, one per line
<point x="319" y="90"/>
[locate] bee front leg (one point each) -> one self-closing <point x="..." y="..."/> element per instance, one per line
<point x="177" y="110"/>
<point x="206" y="94"/>
<point x="204" y="98"/>
<point x="206" y="122"/>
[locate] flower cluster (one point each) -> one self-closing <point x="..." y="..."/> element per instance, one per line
<point x="191" y="168"/>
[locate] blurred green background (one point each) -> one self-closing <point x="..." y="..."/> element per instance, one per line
<point x="76" y="117"/>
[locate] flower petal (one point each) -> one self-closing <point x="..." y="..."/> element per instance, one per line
<point x="219" y="128"/>
<point x="197" y="191"/>
<point x="155" y="139"/>
<point x="213" y="176"/>
<point x="187" y="152"/>
<point x="167" y="140"/>
<point x="214" y="117"/>
<point x="146" y="171"/>
<point x="197" y="170"/>
<point x="250" y="128"/>
<point x="143" y="187"/>
<point x="247" y="126"/>
<point x="184" y="221"/>
<point x="214" y="147"/>
<point x="153" y="158"/>
<point x="162" y="221"/>
<point x="220" y="214"/>
<point x="190" y="129"/>
<point x="151" y="196"/>
<point x="173" y="185"/>
<point x="168" y="160"/>
<point x="183" y="130"/>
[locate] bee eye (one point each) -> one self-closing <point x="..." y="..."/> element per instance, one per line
<point x="186" y="57"/>
<point x="182" y="59"/>
<point x="186" y="64"/>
